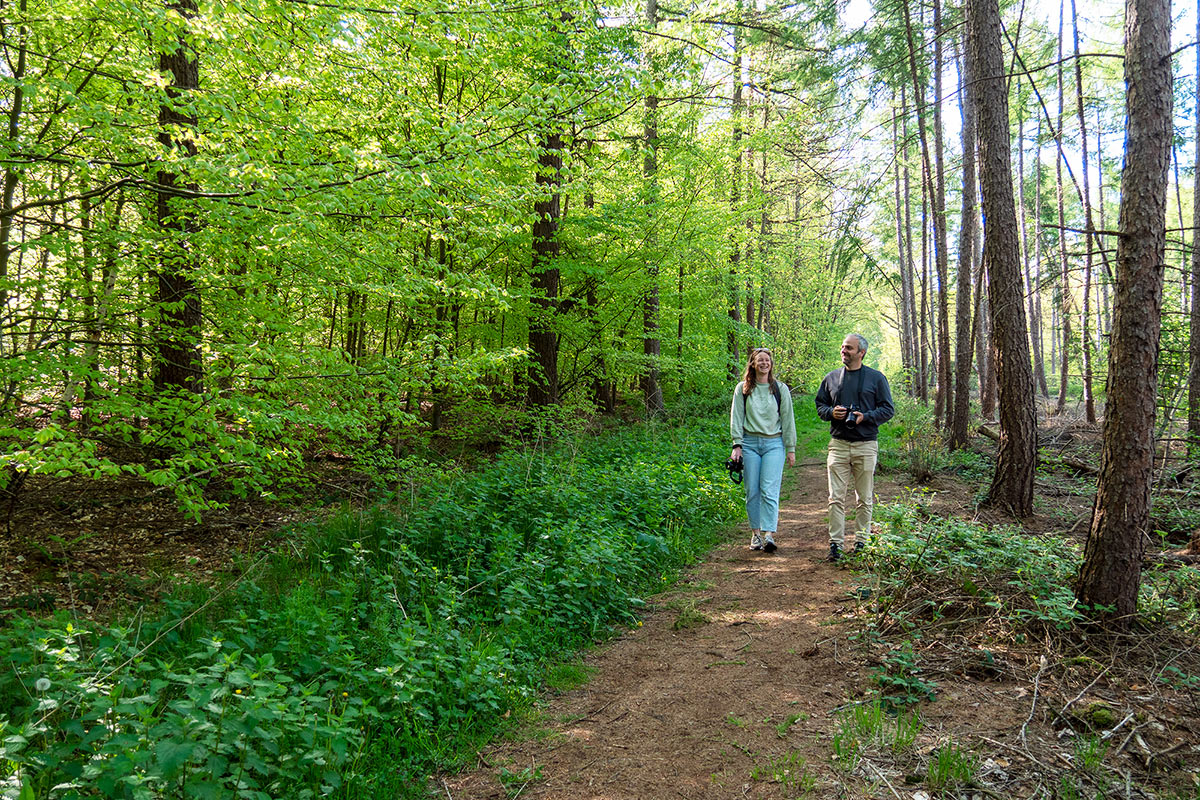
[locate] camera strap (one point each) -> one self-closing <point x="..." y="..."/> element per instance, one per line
<point x="844" y="398"/>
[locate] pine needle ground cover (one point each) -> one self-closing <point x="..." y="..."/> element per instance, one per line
<point x="371" y="651"/>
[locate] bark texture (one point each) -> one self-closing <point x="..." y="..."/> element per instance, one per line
<point x="1112" y="564"/>
<point x="177" y="341"/>
<point x="963" y="346"/>
<point x="1012" y="483"/>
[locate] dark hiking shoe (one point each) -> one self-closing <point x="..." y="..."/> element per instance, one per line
<point x="835" y="552"/>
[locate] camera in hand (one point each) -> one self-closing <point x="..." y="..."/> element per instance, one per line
<point x="734" y="466"/>
<point x="850" y="418"/>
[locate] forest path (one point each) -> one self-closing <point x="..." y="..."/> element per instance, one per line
<point x="715" y="708"/>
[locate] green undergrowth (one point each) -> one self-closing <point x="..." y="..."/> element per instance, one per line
<point x="367" y="653"/>
<point x="1025" y="578"/>
<point x="812" y="432"/>
<point x="931" y="569"/>
<point x="970" y="604"/>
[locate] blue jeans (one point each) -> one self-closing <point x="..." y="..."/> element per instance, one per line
<point x="762" y="471"/>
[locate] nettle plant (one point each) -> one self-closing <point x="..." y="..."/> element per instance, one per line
<point x="368" y="652"/>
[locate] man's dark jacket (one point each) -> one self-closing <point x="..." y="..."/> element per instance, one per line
<point x="867" y="390"/>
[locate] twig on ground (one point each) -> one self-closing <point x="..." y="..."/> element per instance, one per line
<point x="1033" y="706"/>
<point x="447" y="788"/>
<point x="1063" y="714"/>
<point x="1129" y="736"/>
<point x="1025" y="752"/>
<point x="883" y="778"/>
<point x="598" y="710"/>
<point x="975" y="787"/>
<point x="1109" y="733"/>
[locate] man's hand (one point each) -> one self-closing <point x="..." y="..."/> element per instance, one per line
<point x="839" y="412"/>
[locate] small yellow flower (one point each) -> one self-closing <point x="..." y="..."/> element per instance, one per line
<point x="237" y="691"/>
<point x="639" y="623"/>
<point x="345" y="694"/>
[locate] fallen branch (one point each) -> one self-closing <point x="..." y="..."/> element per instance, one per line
<point x="1033" y="706"/>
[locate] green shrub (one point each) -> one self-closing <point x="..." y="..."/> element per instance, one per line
<point x="910" y="442"/>
<point x="372" y="649"/>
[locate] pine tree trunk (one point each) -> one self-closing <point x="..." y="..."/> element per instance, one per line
<point x="1065" y="287"/>
<point x="945" y="395"/>
<point x="901" y="256"/>
<point x="11" y="174"/>
<point x="960" y="418"/>
<point x="1089" y="402"/>
<point x="1193" y="416"/>
<point x="1016" y="461"/>
<point x="1035" y="279"/>
<point x="1112" y="561"/>
<point x="916" y="374"/>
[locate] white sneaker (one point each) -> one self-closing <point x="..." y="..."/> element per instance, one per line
<point x="756" y="542"/>
<point x="769" y="543"/>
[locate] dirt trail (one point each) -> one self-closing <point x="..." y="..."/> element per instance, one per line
<point x="703" y="711"/>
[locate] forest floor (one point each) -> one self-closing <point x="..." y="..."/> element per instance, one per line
<point x="98" y="547"/>
<point x="740" y="679"/>
<point x="735" y="684"/>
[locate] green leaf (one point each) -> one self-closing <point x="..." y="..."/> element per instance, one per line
<point x="172" y="756"/>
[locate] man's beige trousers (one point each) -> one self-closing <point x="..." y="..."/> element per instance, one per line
<point x="851" y="463"/>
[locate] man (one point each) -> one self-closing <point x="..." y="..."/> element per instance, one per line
<point x="855" y="400"/>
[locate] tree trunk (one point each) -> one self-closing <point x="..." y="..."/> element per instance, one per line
<point x="178" y="364"/>
<point x="1112" y="560"/>
<point x="1089" y="402"/>
<point x="11" y="175"/>
<point x="941" y="239"/>
<point x="651" y="345"/>
<point x="735" y="201"/>
<point x="1016" y="461"/>
<point x="1193" y="416"/>
<point x="931" y="192"/>
<point x="1035" y="280"/>
<point x="904" y="266"/>
<point x="916" y="373"/>
<point x="923" y="311"/>
<point x="543" y="341"/>
<point x="1104" y="312"/>
<point x="960" y="418"/>
<point x="1065" y="287"/>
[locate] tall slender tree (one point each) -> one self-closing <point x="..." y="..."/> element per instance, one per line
<point x="963" y="346"/>
<point x="1016" y="462"/>
<point x="651" y="345"/>
<point x="542" y="386"/>
<point x="178" y="365"/>
<point x="1193" y="414"/>
<point x="1065" y="295"/>
<point x="1112" y="561"/>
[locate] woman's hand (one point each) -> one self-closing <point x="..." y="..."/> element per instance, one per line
<point x="791" y="459"/>
<point x="736" y="453"/>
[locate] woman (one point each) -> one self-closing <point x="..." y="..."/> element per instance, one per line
<point x="763" y="430"/>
